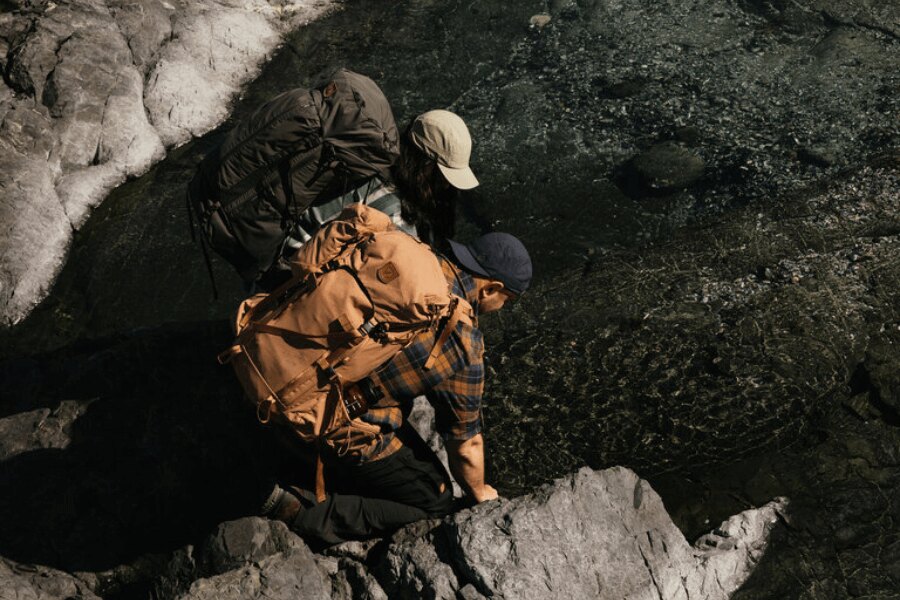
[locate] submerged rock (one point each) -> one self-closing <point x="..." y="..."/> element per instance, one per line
<point x="666" y="167"/>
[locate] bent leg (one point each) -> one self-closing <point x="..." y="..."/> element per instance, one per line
<point x="342" y="517"/>
<point x="375" y="498"/>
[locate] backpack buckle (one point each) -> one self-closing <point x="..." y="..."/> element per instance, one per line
<point x="355" y="402"/>
<point x="377" y="331"/>
<point x="269" y="403"/>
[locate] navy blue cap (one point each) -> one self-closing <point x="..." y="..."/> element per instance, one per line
<point x="499" y="256"/>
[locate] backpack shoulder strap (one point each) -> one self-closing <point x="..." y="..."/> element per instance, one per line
<point x="459" y="310"/>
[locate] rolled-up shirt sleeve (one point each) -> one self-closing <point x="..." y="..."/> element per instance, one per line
<point x="454" y="384"/>
<point x="457" y="399"/>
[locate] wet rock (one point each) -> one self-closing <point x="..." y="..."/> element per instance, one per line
<point x="845" y="46"/>
<point x="540" y="21"/>
<point x="862" y="407"/>
<point x="881" y="367"/>
<point x="676" y="354"/>
<point x="688" y="135"/>
<point x="666" y="167"/>
<point x="551" y="113"/>
<point x="37" y="231"/>
<point x="584" y="536"/>
<point x="132" y="421"/>
<point x="839" y="512"/>
<point x="819" y="156"/>
<point x="145" y="26"/>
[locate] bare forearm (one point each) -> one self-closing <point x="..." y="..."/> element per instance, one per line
<point x="466" y="461"/>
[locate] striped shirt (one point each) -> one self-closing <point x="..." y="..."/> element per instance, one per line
<point x="454" y="384"/>
<point x="374" y="192"/>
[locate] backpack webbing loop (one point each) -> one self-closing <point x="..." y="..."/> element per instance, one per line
<point x="271" y="399"/>
<point x="448" y="329"/>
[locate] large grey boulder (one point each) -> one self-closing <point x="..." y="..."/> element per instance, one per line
<point x="287" y="576"/>
<point x="235" y="543"/>
<point x="34" y="582"/>
<point x="94" y="93"/>
<point x="421" y="417"/>
<point x="246" y="558"/>
<point x="36" y="229"/>
<point x="594" y="534"/>
<point x="255" y="557"/>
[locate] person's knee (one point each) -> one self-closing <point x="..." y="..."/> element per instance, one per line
<point x="442" y="504"/>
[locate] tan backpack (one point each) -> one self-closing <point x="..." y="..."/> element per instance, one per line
<point x="361" y="291"/>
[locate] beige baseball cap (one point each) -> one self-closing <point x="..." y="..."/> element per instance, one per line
<point x="444" y="137"/>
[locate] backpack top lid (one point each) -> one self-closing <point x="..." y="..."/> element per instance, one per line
<point x="358" y="123"/>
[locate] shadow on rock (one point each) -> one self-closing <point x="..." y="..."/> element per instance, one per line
<point x="135" y="448"/>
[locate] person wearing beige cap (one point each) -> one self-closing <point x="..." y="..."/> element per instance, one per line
<point x="421" y="193"/>
<point x="433" y="167"/>
<point x="443" y="137"/>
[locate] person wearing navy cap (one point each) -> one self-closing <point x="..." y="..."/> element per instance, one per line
<point x="501" y="265"/>
<point x="399" y="479"/>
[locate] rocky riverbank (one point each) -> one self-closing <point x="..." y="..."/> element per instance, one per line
<point x="117" y="474"/>
<point x="93" y="93"/>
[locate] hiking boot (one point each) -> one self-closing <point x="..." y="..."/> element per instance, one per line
<point x="284" y="504"/>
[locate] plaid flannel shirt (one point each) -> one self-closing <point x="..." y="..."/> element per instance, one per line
<point x="454" y="384"/>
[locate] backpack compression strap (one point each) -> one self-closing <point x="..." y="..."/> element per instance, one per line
<point x="449" y="328"/>
<point x="190" y="212"/>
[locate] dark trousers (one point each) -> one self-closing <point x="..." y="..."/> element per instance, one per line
<point x="375" y="498"/>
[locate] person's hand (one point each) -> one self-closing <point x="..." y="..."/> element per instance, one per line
<point x="485" y="493"/>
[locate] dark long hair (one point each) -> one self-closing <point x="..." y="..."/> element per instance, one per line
<point x="427" y="200"/>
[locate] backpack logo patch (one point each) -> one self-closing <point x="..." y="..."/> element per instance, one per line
<point x="388" y="273"/>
